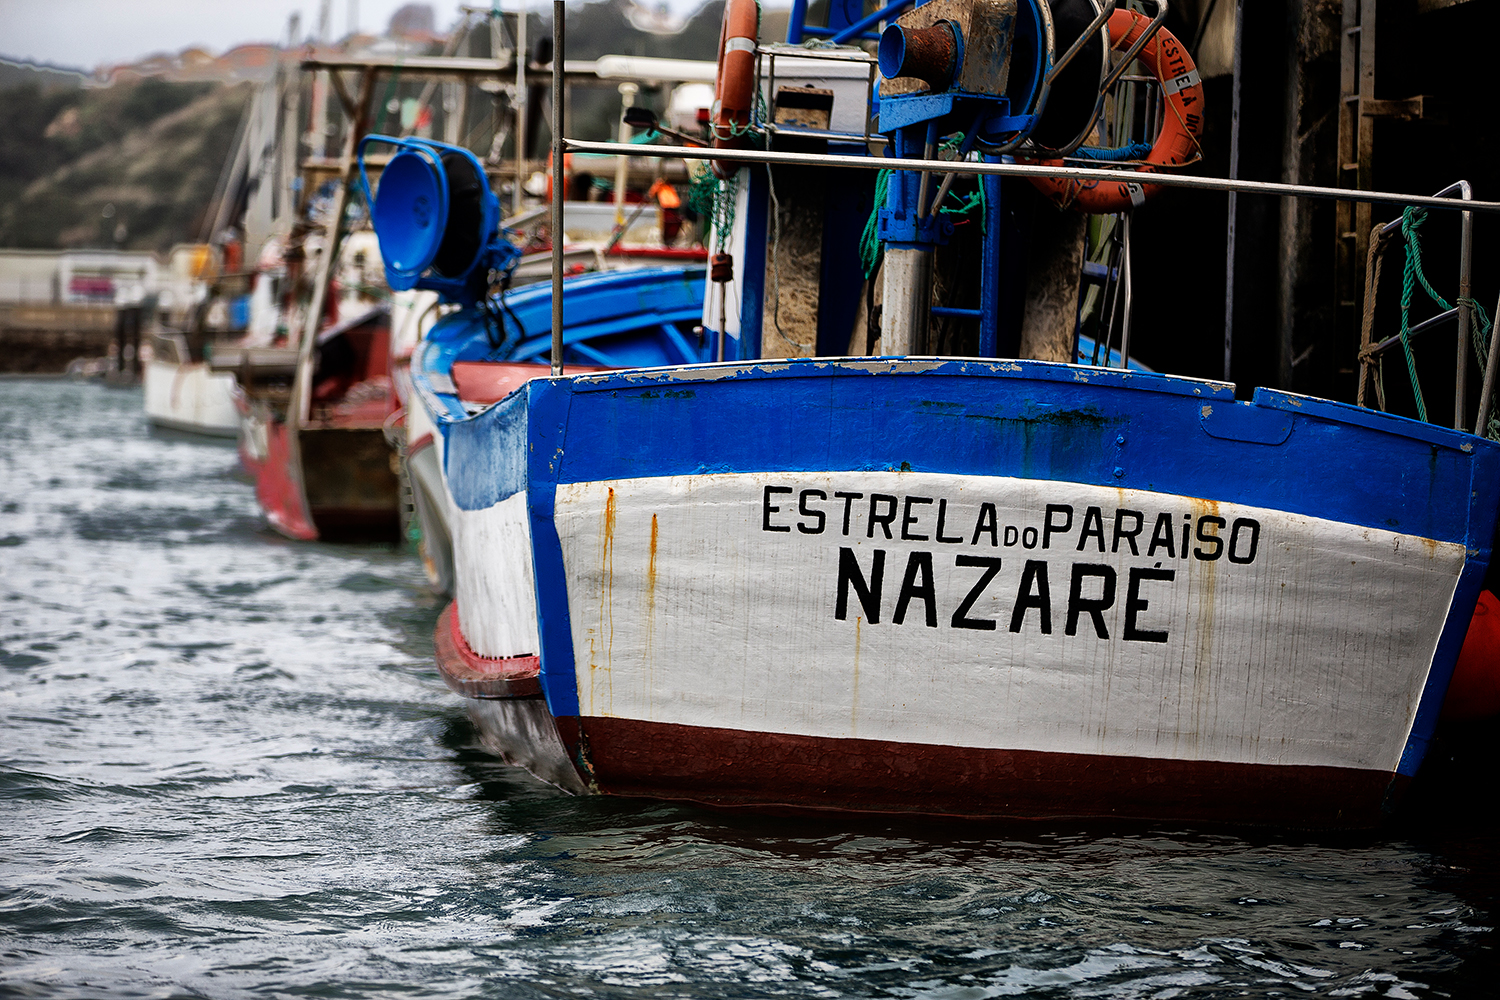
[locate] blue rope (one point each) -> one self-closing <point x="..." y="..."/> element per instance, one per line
<point x="1134" y="151"/>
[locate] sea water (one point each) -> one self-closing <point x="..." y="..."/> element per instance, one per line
<point x="228" y="769"/>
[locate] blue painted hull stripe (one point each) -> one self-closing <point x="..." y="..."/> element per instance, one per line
<point x="1022" y="420"/>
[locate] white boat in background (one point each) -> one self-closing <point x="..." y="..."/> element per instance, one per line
<point x="190" y="397"/>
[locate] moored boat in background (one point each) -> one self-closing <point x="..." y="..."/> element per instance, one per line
<point x="186" y="395"/>
<point x="331" y="475"/>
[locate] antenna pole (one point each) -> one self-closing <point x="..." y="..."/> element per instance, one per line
<point x="559" y="14"/>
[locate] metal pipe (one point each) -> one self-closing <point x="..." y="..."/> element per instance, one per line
<point x="1113" y="75"/>
<point x="519" y="107"/>
<point x="1465" y="287"/>
<point x="1105" y="10"/>
<point x="1135" y="50"/>
<point x="1107" y="327"/>
<point x="1125" y="279"/>
<point x="963" y="151"/>
<point x="1460" y="186"/>
<point x="1465" y="268"/>
<point x="1234" y="200"/>
<point x="1030" y="170"/>
<point x="942" y="191"/>
<point x="1411" y="334"/>
<point x="723" y="320"/>
<point x="628" y="90"/>
<point x="559" y="195"/>
<point x="929" y="150"/>
<point x="1485" y="395"/>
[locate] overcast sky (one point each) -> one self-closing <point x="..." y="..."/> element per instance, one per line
<point x="88" y="33"/>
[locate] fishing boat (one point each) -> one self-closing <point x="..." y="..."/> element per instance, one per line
<point x="187" y="395"/>
<point x="846" y="548"/>
<point x="322" y="414"/>
<point x="183" y="392"/>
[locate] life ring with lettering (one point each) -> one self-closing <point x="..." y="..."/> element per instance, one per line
<point x="734" y="84"/>
<point x="1177" y="142"/>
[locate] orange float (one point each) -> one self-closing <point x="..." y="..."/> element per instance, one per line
<point x="567" y="174"/>
<point x="1177" y="142"/>
<point x="734" y="85"/>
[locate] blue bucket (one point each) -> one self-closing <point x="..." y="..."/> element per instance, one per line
<point x="409" y="216"/>
<point x="435" y="217"/>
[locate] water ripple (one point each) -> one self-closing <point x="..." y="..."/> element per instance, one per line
<point x="228" y="770"/>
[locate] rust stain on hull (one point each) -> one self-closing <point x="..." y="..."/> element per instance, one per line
<point x="854" y="692"/>
<point x="650" y="638"/>
<point x="606" y="606"/>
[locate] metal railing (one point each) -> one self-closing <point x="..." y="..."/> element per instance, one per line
<point x="1465" y="204"/>
<point x="1370" y="352"/>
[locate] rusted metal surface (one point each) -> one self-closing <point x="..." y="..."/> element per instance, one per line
<point x="351" y="487"/>
<point x="727" y="768"/>
<point x="986" y="26"/>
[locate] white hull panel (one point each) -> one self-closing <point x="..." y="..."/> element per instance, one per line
<point x="190" y="397"/>
<point x="702" y="600"/>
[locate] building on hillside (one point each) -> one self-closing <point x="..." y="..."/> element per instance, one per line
<point x="76" y="277"/>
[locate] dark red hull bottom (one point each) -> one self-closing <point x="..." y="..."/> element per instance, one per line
<point x="771" y="772"/>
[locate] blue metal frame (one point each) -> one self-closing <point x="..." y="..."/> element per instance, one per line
<point x="841" y="27"/>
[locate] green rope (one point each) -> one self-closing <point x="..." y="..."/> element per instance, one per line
<point x="870" y="250"/>
<point x="1481" y="336"/>
<point x="869" y="240"/>
<point x="1410" y="220"/>
<point x="713" y="199"/>
<point x="1412" y="275"/>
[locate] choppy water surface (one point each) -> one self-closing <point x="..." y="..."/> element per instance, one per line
<point x="227" y="769"/>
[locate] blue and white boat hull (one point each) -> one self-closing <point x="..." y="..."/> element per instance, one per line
<point x="969" y="587"/>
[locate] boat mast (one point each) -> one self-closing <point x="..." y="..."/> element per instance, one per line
<point x="559" y="192"/>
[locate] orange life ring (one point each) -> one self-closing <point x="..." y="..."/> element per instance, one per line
<point x="734" y="85"/>
<point x="567" y="174"/>
<point x="1176" y="143"/>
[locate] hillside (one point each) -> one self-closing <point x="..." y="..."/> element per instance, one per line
<point x="131" y="166"/>
<point x="47" y="77"/>
<point x="134" y="165"/>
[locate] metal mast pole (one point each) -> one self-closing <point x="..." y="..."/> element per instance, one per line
<point x="519" y="107"/>
<point x="559" y="15"/>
